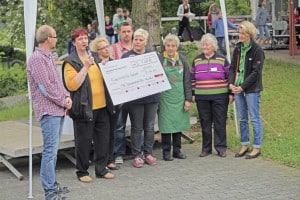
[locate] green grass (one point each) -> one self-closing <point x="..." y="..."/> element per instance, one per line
<point x="14" y="113"/>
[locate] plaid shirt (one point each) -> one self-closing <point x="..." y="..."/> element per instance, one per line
<point x="117" y="50"/>
<point x="47" y="90"/>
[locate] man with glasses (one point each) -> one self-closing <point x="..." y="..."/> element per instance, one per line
<point x="50" y="102"/>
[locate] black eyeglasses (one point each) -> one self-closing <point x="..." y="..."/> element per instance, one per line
<point x="52" y="36"/>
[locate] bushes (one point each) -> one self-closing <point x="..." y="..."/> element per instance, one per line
<point x="12" y="53"/>
<point x="12" y="81"/>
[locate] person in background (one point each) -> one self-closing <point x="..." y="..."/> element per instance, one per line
<point x="173" y="115"/>
<point x="209" y="75"/>
<point x="126" y="13"/>
<point x="91" y="32"/>
<point x="245" y="82"/>
<point x="261" y="23"/>
<point x="184" y="14"/>
<point x="212" y="16"/>
<point x="50" y="102"/>
<point x="218" y="26"/>
<point x="109" y="30"/>
<point x="70" y="45"/>
<point x="118" y="18"/>
<point x="116" y="51"/>
<point x="297" y="22"/>
<point x="142" y="111"/>
<point x="90" y="111"/>
<point x="101" y="46"/>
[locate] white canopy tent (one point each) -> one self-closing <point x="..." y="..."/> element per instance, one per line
<point x="30" y="15"/>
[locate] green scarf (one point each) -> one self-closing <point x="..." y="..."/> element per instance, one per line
<point x="244" y="49"/>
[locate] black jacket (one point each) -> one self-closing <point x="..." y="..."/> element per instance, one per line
<point x="254" y="61"/>
<point x="82" y="98"/>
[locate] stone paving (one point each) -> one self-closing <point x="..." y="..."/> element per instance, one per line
<point x="195" y="178"/>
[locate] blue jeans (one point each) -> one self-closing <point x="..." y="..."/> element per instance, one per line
<point x="120" y="140"/>
<point x="263" y="32"/>
<point x="111" y="39"/>
<point x="142" y="118"/>
<point x="51" y="127"/>
<point x="249" y="103"/>
<point x="221" y="45"/>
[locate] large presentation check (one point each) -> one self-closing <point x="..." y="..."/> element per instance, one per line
<point x="135" y="77"/>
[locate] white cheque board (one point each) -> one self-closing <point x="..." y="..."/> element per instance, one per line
<point x="134" y="77"/>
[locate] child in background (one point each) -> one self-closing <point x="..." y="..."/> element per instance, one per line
<point x="218" y="25"/>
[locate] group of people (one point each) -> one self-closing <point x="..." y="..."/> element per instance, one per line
<point x="211" y="82"/>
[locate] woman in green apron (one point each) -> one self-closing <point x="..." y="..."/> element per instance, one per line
<point x="173" y="115"/>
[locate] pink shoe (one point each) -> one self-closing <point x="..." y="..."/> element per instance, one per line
<point x="150" y="160"/>
<point x="138" y="162"/>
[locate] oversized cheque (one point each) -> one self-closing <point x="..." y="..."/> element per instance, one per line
<point x="135" y="77"/>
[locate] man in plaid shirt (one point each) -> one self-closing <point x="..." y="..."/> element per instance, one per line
<point x="50" y="101"/>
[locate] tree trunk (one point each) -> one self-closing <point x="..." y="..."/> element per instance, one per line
<point x="146" y="14"/>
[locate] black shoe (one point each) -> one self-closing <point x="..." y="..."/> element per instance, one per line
<point x="114" y="167"/>
<point x="179" y="155"/>
<point x="204" y="154"/>
<point x="252" y="156"/>
<point x="222" y="154"/>
<point x="167" y="158"/>
<point x="237" y="155"/>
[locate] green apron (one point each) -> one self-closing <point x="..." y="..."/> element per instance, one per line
<point x="171" y="117"/>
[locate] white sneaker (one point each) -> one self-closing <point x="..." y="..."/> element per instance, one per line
<point x="119" y="160"/>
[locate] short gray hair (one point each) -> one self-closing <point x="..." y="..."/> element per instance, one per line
<point x="141" y="32"/>
<point x="210" y="38"/>
<point x="172" y="38"/>
<point x="43" y="32"/>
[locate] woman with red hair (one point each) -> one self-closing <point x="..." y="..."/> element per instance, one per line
<point x="90" y="113"/>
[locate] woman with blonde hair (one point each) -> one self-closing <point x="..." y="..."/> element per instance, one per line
<point x="212" y="16"/>
<point x="245" y="81"/>
<point x="142" y="111"/>
<point x="101" y="46"/>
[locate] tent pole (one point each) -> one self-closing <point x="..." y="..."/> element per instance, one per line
<point x="30" y="14"/>
<point x="223" y="9"/>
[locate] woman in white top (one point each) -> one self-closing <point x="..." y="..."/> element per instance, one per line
<point x="184" y="14"/>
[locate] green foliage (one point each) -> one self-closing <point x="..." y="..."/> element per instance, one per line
<point x="190" y="50"/>
<point x="65" y="15"/>
<point x="12" y="81"/>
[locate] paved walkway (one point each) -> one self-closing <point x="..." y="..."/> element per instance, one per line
<point x="283" y="55"/>
<point x="195" y="178"/>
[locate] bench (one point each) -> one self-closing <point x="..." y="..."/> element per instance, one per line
<point x="280" y="34"/>
<point x="14" y="143"/>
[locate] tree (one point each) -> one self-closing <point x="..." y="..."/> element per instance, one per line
<point x="146" y="14"/>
